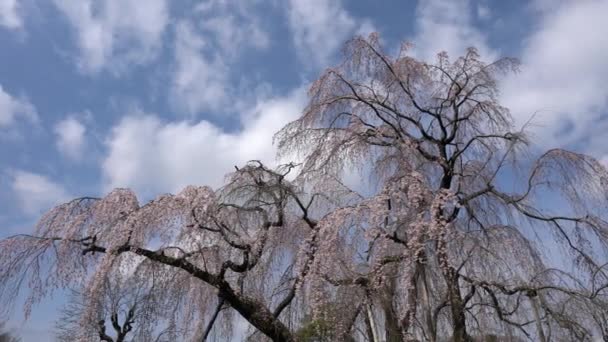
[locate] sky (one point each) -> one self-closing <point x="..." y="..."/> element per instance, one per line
<point x="155" y="95"/>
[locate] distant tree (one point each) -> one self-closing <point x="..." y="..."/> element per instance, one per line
<point x="7" y="336"/>
<point x="455" y="237"/>
<point x="118" y="318"/>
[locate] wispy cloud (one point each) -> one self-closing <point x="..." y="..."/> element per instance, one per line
<point x="13" y="108"/>
<point x="319" y="28"/>
<point x="200" y="81"/>
<point x="445" y="25"/>
<point x="115" y="34"/>
<point x="205" y="51"/>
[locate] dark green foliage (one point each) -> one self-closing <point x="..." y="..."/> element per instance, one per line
<point x="318" y="330"/>
<point x="6" y="335"/>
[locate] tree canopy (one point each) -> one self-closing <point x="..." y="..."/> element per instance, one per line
<point x="456" y="231"/>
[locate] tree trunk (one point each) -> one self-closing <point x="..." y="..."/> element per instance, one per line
<point x="412" y="302"/>
<point x="457" y="305"/>
<point x="539" y="323"/>
<point x="372" y="323"/>
<point x="392" y="328"/>
<point x="368" y="327"/>
<point x="258" y="315"/>
<point x="432" y="333"/>
<point x="459" y="324"/>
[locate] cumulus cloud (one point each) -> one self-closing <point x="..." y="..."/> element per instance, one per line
<point x="113" y="34"/>
<point x="70" y="137"/>
<point x="12" y="107"/>
<point x="446" y="25"/>
<point x="152" y="156"/>
<point x="563" y="77"/>
<point x="319" y="28"/>
<point x="9" y="14"/>
<point x="36" y="193"/>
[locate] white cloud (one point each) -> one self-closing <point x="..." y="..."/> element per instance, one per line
<point x="200" y="81"/>
<point x="36" y="193"/>
<point x="563" y="77"/>
<point x="446" y="25"/>
<point x="206" y="51"/>
<point x="366" y="27"/>
<point x="152" y="156"/>
<point x="563" y="65"/>
<point x="233" y="25"/>
<point x="9" y="14"/>
<point x="70" y="137"/>
<point x="11" y="108"/>
<point x="113" y="34"/>
<point x="319" y="28"/>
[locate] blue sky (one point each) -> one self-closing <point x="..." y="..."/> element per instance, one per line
<point x="158" y="94"/>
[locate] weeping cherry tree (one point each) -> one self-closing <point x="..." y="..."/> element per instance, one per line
<point x="457" y="230"/>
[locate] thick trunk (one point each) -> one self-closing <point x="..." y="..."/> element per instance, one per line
<point x="457" y="305"/>
<point x="459" y="333"/>
<point x="391" y="325"/>
<point x="392" y="329"/>
<point x="430" y="325"/>
<point x="258" y="315"/>
<point x="412" y="302"/>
